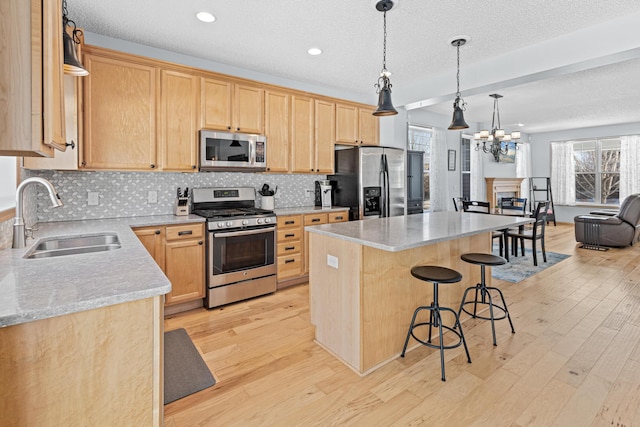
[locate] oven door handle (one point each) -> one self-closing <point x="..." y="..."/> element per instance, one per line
<point x="244" y="232"/>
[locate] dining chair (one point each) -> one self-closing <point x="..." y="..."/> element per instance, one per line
<point x="457" y="203"/>
<point x="534" y="232"/>
<point x="516" y="206"/>
<point x="473" y="206"/>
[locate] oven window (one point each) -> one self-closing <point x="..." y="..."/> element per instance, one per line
<point x="227" y="150"/>
<point x="242" y="252"/>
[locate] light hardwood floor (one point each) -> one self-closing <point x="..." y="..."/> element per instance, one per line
<point x="573" y="361"/>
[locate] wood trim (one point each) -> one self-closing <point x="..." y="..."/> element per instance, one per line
<point x="7" y="214"/>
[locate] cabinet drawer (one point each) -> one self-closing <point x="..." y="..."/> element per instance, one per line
<point x="287" y="248"/>
<point x="338" y="216"/>
<point x="315" y="219"/>
<point x="289" y="221"/>
<point x="289" y="266"/>
<point x="187" y="231"/>
<point x="288" y="235"/>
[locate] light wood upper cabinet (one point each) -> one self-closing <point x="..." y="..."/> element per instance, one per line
<point x="178" y="133"/>
<point x="356" y="125"/>
<point x="302" y="134"/>
<point x="32" y="110"/>
<point x="215" y="109"/>
<point x="325" y="136"/>
<point x="276" y="117"/>
<point x="231" y="106"/>
<point x="120" y="101"/>
<point x="248" y="109"/>
<point x="368" y="127"/>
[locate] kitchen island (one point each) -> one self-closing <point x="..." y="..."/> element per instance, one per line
<point x="81" y="336"/>
<point x="362" y="294"/>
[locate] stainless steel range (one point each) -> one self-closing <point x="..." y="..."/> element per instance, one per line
<point x="241" y="244"/>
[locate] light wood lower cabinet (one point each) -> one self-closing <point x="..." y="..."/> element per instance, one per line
<point x="96" y="367"/>
<point x="179" y="252"/>
<point x="293" y="262"/>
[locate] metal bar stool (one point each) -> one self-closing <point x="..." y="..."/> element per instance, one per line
<point x="436" y="275"/>
<point x="485" y="292"/>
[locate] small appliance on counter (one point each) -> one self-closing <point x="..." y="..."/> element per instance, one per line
<point x="182" y="206"/>
<point x="323" y="190"/>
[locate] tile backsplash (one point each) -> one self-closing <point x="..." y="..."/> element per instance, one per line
<point x="125" y="194"/>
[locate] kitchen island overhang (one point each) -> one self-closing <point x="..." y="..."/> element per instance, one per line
<point x="362" y="294"/>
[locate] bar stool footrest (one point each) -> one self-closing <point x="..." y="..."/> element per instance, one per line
<point x="437" y="346"/>
<point x="477" y="316"/>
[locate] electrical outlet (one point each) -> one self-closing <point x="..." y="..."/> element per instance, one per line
<point x="332" y="261"/>
<point x="93" y="198"/>
<point x="152" y="197"/>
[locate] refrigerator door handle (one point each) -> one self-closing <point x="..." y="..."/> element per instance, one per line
<point x="386" y="208"/>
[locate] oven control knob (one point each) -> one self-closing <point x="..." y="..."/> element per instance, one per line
<point x="267" y="220"/>
<point x="245" y="222"/>
<point x="259" y="220"/>
<point x="220" y="224"/>
<point x="229" y="224"/>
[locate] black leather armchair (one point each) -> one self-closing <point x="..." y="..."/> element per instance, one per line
<point x="622" y="229"/>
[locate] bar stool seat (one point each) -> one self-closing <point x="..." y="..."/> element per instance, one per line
<point x="437" y="275"/>
<point x="483" y="292"/>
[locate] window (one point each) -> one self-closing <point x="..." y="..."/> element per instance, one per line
<point x="8" y="176"/>
<point x="419" y="138"/>
<point x="465" y="166"/>
<point x="597" y="169"/>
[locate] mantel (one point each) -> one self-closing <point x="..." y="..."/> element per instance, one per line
<point x="495" y="186"/>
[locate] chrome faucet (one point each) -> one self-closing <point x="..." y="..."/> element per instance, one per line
<point x="19" y="237"/>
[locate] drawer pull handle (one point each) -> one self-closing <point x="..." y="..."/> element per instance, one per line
<point x="338" y="218"/>
<point x="315" y="220"/>
<point x="289" y="222"/>
<point x="289" y="248"/>
<point x="289" y="235"/>
<point x="289" y="261"/>
<point x="185" y="233"/>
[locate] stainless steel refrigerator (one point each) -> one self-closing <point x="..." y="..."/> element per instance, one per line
<point x="370" y="181"/>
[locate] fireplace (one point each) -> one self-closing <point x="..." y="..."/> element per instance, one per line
<point x="502" y="187"/>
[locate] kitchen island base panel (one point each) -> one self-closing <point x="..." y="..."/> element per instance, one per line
<point x="97" y="367"/>
<point x="363" y="308"/>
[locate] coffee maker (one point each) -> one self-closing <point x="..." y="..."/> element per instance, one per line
<point x="323" y="190"/>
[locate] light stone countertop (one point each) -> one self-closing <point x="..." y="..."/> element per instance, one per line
<point x="33" y="289"/>
<point x="411" y="231"/>
<point x="307" y="210"/>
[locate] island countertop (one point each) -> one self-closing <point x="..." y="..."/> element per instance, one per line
<point x="411" y="231"/>
<point x="33" y="289"/>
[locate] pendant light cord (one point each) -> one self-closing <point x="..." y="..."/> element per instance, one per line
<point x="384" y="43"/>
<point x="458" y="73"/>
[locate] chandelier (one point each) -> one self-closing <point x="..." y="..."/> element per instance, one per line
<point x="497" y="141"/>
<point x="383" y="86"/>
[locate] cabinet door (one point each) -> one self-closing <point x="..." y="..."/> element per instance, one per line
<point x="302" y="134"/>
<point x="215" y="104"/>
<point x="368" y="127"/>
<point x="325" y="135"/>
<point x="153" y="240"/>
<point x="346" y="124"/>
<point x="185" y="269"/>
<point x="248" y="109"/>
<point x="52" y="75"/>
<point x="276" y="115"/>
<point x="120" y="101"/>
<point x="178" y="121"/>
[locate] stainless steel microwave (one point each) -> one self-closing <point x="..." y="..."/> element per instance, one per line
<point x="224" y="151"/>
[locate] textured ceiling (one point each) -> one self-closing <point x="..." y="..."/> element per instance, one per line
<point x="273" y="37"/>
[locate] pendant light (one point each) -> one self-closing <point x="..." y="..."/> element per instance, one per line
<point x="383" y="87"/>
<point x="72" y="64"/>
<point x="458" y="105"/>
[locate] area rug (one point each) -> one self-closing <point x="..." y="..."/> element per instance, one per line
<point x="521" y="267"/>
<point x="184" y="370"/>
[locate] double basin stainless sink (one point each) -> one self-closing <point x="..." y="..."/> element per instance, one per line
<point x="73" y="245"/>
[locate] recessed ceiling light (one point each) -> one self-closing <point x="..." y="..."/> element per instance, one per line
<point x="205" y="17"/>
<point x="314" y="51"/>
<point x="521" y="124"/>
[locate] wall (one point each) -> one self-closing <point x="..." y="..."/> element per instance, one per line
<point x="541" y="156"/>
<point x="125" y="194"/>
